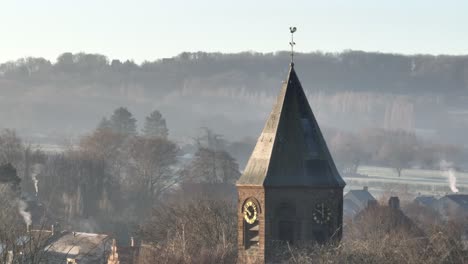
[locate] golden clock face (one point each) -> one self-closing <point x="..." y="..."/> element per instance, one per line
<point x="321" y="214"/>
<point x="250" y="212"/>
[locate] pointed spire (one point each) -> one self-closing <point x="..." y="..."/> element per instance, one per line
<point x="291" y="150"/>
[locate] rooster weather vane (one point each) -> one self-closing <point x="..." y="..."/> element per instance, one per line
<point x="292" y="43"/>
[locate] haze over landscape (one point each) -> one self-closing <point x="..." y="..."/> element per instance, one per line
<point x="129" y="124"/>
<point x="232" y="93"/>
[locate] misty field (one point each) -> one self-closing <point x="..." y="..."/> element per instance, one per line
<point x="430" y="182"/>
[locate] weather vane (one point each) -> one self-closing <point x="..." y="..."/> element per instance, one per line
<point x="292" y="43"/>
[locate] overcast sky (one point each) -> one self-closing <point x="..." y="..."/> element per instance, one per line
<point x="152" y="29"/>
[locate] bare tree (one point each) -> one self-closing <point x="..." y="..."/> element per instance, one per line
<point x="383" y="235"/>
<point x="105" y="144"/>
<point x="11" y="148"/>
<point x="191" y="231"/>
<point x="11" y="222"/>
<point x="398" y="155"/>
<point x="153" y="160"/>
<point x="348" y="151"/>
<point x="75" y="187"/>
<point x="210" y="140"/>
<point x="211" y="166"/>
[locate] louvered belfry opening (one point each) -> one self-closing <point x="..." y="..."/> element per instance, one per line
<point x="251" y="235"/>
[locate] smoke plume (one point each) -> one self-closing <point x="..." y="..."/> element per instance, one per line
<point x="25" y="214"/>
<point x="447" y="168"/>
<point x="36" y="170"/>
<point x="452" y="180"/>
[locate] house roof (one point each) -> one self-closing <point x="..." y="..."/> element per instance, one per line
<point x="350" y="207"/>
<point x="388" y="220"/>
<point x="460" y="199"/>
<point x="291" y="150"/>
<point x="425" y="200"/>
<point x="360" y="196"/>
<point x="85" y="247"/>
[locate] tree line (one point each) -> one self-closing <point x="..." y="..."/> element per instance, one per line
<point x="113" y="178"/>
<point x="348" y="90"/>
<point x="397" y="149"/>
<point x="348" y="70"/>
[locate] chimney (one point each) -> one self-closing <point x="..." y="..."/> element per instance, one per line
<point x="394" y="202"/>
<point x="52" y="229"/>
<point x="132" y="242"/>
<point x="114" y="256"/>
<point x="28" y="228"/>
<point x="57" y="228"/>
<point x="365" y="188"/>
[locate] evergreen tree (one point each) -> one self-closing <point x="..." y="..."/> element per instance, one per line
<point x="155" y="125"/>
<point x="8" y="175"/>
<point x="123" y="122"/>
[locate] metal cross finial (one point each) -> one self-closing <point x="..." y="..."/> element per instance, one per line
<point x="292" y="43"/>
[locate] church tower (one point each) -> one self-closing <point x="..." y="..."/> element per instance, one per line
<point x="290" y="190"/>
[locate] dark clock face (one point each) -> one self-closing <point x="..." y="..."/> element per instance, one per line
<point x="250" y="212"/>
<point x="322" y="214"/>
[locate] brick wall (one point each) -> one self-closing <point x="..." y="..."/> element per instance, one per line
<point x="301" y="203"/>
<point x="254" y="254"/>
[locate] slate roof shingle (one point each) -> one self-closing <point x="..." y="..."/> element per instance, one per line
<point x="291" y="150"/>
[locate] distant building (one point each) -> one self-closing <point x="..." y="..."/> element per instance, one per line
<point x="357" y="200"/>
<point x="425" y="200"/>
<point x="78" y="247"/>
<point x="452" y="206"/>
<point x="388" y="219"/>
<point x="61" y="247"/>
